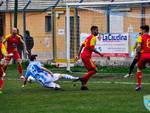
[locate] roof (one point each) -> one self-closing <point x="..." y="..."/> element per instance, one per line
<point x="8" y="5"/>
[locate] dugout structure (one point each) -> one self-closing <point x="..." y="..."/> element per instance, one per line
<point x="110" y="17"/>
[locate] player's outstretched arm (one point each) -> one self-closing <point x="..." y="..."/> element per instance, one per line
<point x="47" y="70"/>
<point x="4" y="52"/>
<point x="97" y="52"/>
<point x="79" y="52"/>
<point x="138" y="49"/>
<point x="24" y="45"/>
<point x="6" y="38"/>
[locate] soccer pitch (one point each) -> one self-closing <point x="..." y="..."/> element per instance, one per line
<point x="107" y="94"/>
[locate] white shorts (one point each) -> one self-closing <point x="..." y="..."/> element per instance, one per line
<point x="52" y="85"/>
<point x="56" y="76"/>
<point x="51" y="80"/>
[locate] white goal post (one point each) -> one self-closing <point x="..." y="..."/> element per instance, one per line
<point x="90" y="4"/>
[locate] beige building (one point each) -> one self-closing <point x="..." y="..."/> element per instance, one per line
<point x="38" y="22"/>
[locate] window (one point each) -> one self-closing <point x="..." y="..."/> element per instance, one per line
<point x="48" y="24"/>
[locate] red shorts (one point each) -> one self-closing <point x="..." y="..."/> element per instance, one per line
<point x="88" y="63"/>
<point x="15" y="54"/>
<point x="143" y="60"/>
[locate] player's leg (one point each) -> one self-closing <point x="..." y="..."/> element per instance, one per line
<point x="134" y="62"/>
<point x="1" y="78"/>
<point x="20" y="69"/>
<point x="89" y="64"/>
<point x="141" y="63"/>
<point x="88" y="75"/>
<point x="138" y="77"/>
<point x="132" y="65"/>
<point x="144" y="58"/>
<point x="66" y="76"/>
<point x="6" y="62"/>
<point x="57" y="76"/>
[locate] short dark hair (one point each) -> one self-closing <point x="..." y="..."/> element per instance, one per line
<point x="145" y="28"/>
<point x="27" y="32"/>
<point x="93" y="28"/>
<point x="33" y="57"/>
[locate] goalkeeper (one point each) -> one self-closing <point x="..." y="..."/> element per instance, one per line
<point x="136" y="56"/>
<point x="36" y="72"/>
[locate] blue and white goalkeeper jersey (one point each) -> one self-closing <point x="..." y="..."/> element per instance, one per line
<point x="34" y="70"/>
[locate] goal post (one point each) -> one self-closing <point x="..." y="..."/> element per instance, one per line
<point x="128" y="14"/>
<point x="68" y="36"/>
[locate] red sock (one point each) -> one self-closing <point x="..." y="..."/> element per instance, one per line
<point x="20" y="70"/>
<point x="138" y="77"/>
<point x="88" y="75"/>
<point x="1" y="84"/>
<point x="1" y="70"/>
<point x="1" y="75"/>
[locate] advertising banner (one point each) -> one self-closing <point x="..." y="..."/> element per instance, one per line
<point x="111" y="44"/>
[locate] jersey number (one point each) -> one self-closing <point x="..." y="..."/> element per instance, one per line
<point x="34" y="70"/>
<point x="148" y="43"/>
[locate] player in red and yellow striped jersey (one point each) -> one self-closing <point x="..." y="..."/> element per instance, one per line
<point x="144" y="48"/>
<point x="12" y="41"/>
<point x="87" y="48"/>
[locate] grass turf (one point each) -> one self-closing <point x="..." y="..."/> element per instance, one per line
<point x="101" y="98"/>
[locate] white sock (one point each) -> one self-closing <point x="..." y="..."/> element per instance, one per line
<point x="69" y="77"/>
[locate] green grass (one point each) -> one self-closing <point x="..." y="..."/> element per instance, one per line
<point x="100" y="69"/>
<point x="101" y="98"/>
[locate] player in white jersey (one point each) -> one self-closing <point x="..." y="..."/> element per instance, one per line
<point x="36" y="72"/>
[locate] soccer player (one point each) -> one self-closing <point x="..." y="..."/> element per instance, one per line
<point x="36" y="72"/>
<point x="12" y="42"/>
<point x="136" y="56"/>
<point x="3" y="53"/>
<point x="144" y="48"/>
<point x="87" y="48"/>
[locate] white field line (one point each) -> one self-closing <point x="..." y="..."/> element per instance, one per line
<point x="95" y="82"/>
<point x="115" y="82"/>
<point x="102" y="73"/>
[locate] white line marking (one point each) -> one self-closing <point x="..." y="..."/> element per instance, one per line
<point x="95" y="82"/>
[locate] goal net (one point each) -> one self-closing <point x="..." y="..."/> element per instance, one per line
<point x="118" y="22"/>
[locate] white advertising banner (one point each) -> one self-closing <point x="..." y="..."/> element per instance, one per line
<point x="114" y="45"/>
